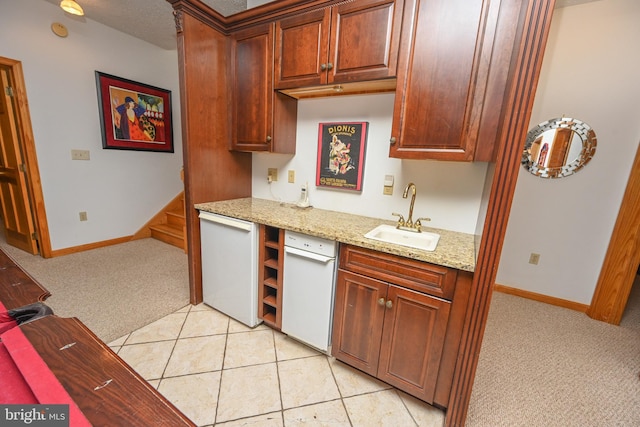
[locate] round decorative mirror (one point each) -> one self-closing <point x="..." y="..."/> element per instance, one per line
<point x="558" y="147"/>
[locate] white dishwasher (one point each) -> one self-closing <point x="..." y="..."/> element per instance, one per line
<point x="230" y="266"/>
<point x="308" y="288"/>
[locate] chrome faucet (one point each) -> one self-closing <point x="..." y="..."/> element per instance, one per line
<point x="408" y="224"/>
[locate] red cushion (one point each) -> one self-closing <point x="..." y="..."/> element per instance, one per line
<point x="13" y="387"/>
<point x="44" y="385"/>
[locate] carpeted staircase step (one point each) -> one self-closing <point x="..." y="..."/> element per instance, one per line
<point x="169" y="233"/>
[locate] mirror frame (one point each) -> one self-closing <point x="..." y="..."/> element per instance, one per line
<point x="581" y="129"/>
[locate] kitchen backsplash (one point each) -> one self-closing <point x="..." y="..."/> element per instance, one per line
<point x="447" y="192"/>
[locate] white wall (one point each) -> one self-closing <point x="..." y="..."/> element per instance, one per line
<point x="447" y="192"/>
<point x="120" y="190"/>
<point x="590" y="72"/>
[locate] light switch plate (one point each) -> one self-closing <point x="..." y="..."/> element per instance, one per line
<point x="79" y="154"/>
<point x="388" y="185"/>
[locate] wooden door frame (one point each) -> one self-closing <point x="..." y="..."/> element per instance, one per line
<point x="535" y="16"/>
<point x="27" y="143"/>
<point x="623" y="256"/>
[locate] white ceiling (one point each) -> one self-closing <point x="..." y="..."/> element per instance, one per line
<point x="149" y="20"/>
<point x="152" y="20"/>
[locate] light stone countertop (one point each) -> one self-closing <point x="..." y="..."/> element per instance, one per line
<point x="455" y="250"/>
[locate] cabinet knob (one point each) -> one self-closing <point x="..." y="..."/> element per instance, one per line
<point x="329" y="66"/>
<point x="381" y="301"/>
<point x="389" y="304"/>
<point x="268" y="139"/>
<point x="392" y="141"/>
<point x="323" y="67"/>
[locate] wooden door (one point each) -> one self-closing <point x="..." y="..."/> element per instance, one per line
<point x="560" y="148"/>
<point x="412" y="341"/>
<point x="301" y="50"/>
<point x="365" y="36"/>
<point x="357" y="321"/>
<point x="252" y="65"/>
<point x="14" y="195"/>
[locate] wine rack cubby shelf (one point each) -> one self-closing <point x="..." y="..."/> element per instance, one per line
<point x="270" y="274"/>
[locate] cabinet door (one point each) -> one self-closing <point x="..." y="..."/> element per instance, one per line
<point x="301" y="52"/>
<point x="412" y="340"/>
<point x="437" y="75"/>
<point x="252" y="68"/>
<point x="357" y="321"/>
<point x="365" y="37"/>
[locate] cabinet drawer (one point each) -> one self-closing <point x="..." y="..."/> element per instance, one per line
<point x="420" y="276"/>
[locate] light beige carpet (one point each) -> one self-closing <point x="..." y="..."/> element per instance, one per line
<point x="547" y="366"/>
<point x="113" y="290"/>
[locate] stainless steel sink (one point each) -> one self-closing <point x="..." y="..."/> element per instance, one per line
<point x="389" y="234"/>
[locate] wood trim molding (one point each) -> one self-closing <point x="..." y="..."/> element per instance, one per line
<point x="531" y="38"/>
<point x="623" y="256"/>
<point x="89" y="246"/>
<point x="558" y="302"/>
<point x="267" y="12"/>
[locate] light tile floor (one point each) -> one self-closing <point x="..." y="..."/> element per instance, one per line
<point x="219" y="372"/>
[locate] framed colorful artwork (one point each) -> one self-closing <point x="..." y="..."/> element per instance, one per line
<point x="134" y="116"/>
<point x="341" y="149"/>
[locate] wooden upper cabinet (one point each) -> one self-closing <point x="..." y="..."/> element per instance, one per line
<point x="452" y="73"/>
<point x="351" y="42"/>
<point x="302" y="46"/>
<point x="262" y="120"/>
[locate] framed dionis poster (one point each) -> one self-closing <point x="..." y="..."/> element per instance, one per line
<point x="341" y="155"/>
<point x="134" y="116"/>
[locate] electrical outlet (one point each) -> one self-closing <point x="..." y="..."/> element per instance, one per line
<point x="79" y="154"/>
<point x="272" y="174"/>
<point x="83" y="216"/>
<point x="534" y="258"/>
<point x="292" y="176"/>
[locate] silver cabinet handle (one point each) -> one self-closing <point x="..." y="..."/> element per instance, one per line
<point x="329" y="66"/>
<point x="268" y="139"/>
<point x="392" y="141"/>
<point x="323" y="67"/>
<point x="389" y="304"/>
<point x="381" y="301"/>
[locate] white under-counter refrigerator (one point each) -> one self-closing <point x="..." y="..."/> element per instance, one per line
<point x="230" y="266"/>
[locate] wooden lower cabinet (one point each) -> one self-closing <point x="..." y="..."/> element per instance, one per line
<point x="389" y="332"/>
<point x="358" y="320"/>
<point x="402" y="336"/>
<point x="412" y="340"/>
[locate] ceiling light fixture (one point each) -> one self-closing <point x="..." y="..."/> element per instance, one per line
<point x="72" y="7"/>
